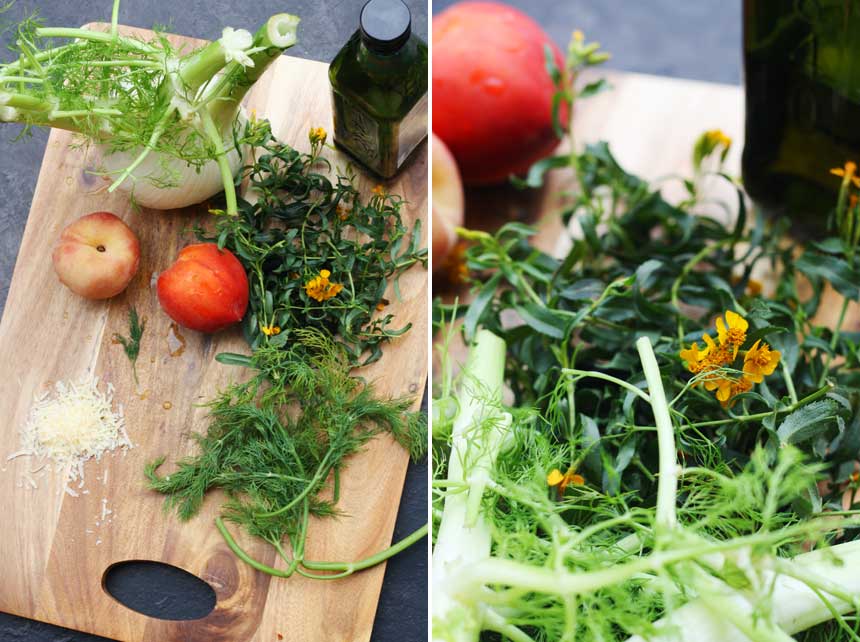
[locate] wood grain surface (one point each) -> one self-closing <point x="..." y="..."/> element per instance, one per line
<point x="56" y="548"/>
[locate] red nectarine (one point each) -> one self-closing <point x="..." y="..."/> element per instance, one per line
<point x="492" y="93"/>
<point x="205" y="289"/>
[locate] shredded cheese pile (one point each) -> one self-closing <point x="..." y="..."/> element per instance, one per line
<point x="71" y="424"/>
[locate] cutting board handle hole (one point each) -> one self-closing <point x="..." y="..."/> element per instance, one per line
<point x="159" y="590"/>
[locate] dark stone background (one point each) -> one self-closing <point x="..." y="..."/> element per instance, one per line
<point x="325" y="26"/>
<point x="699" y="39"/>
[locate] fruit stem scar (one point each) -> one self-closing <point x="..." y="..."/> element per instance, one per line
<point x="100" y="248"/>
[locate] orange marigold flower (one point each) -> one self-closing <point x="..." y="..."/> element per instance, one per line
<point x="695" y="358"/>
<point x="848" y="174"/>
<point x="320" y="288"/>
<point x="379" y="190"/>
<point x="718" y="355"/>
<point x="563" y="480"/>
<point x="270" y="330"/>
<point x="317" y="135"/>
<point x="760" y="361"/>
<point x="732" y="332"/>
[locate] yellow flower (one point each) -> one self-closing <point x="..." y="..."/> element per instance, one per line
<point x="718" y="137"/>
<point x="563" y="480"/>
<point x="718" y="355"/>
<point x="727" y="387"/>
<point x="760" y="361"/>
<point x="379" y="190"/>
<point x="695" y="358"/>
<point x="848" y="174"/>
<point x="320" y="288"/>
<point x="317" y="135"/>
<point x="270" y="330"/>
<point x="578" y="36"/>
<point x="733" y="332"/>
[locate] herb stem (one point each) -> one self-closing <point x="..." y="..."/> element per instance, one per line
<point x="242" y="555"/>
<point x="98" y="36"/>
<point x="216" y="137"/>
<point x="150" y="146"/>
<point x="114" y="19"/>
<point x="685" y="270"/>
<point x="373" y="560"/>
<point x="667" y="482"/>
<point x="345" y="568"/>
<point x="834" y="341"/>
<point x="764" y="415"/>
<point x="595" y="374"/>
<point x="321" y="473"/>
<point x="789" y="382"/>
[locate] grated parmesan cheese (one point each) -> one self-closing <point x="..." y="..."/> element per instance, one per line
<point x="70" y="425"/>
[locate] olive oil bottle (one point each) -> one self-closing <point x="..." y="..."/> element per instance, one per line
<point x="379" y="89"/>
<point x="802" y="75"/>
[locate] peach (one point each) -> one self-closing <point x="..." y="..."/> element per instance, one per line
<point x="448" y="205"/>
<point x="492" y="93"/>
<point x="96" y="256"/>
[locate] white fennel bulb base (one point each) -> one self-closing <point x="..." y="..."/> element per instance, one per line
<point x="163" y="182"/>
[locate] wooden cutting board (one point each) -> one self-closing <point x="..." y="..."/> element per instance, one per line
<point x="56" y="548"/>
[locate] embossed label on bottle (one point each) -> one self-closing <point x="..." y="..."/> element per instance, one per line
<point x="356" y="131"/>
<point x="413" y="129"/>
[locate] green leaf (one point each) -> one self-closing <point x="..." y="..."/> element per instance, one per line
<point x="844" y="278"/>
<point x="535" y="176"/>
<point x="806" y="422"/>
<point x="594" y="88"/>
<point x="543" y="320"/>
<point x="583" y="290"/>
<point x="477" y="307"/>
<point x="645" y="272"/>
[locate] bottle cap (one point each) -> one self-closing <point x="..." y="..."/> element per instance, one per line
<point x="385" y="25"/>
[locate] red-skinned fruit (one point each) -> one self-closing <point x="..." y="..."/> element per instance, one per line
<point x="492" y="93"/>
<point x="205" y="289"/>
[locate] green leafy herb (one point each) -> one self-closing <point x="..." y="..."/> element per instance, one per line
<point x="277" y="442"/>
<point x="302" y="223"/>
<point x="616" y="498"/>
<point x="131" y="343"/>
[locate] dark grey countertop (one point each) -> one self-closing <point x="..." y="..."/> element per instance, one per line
<point x="700" y="39"/>
<point x="325" y="26"/>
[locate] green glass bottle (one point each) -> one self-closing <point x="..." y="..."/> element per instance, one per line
<point x="379" y="89"/>
<point x="802" y="75"/>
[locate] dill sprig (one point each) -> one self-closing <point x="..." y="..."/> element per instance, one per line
<point x="131" y="343"/>
<point x="276" y="442"/>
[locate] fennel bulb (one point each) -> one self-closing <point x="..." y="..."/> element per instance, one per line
<point x="166" y="123"/>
